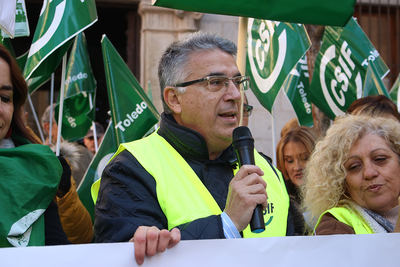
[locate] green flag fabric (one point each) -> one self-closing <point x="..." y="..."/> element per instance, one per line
<point x="132" y="112"/>
<point x="373" y="84"/>
<point x="106" y="150"/>
<point x="133" y="115"/>
<point x="335" y="13"/>
<point x="395" y="92"/>
<point x="341" y="66"/>
<point x="296" y="87"/>
<point x="80" y="84"/>
<point x="21" y="25"/>
<point x="7" y="43"/>
<point x="59" y="22"/>
<point x="273" y="50"/>
<point x="30" y="175"/>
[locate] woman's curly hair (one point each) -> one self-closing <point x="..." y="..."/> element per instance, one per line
<point x="325" y="174"/>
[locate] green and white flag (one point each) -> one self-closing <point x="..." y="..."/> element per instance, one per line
<point x="341" y="67"/>
<point x="106" y="150"/>
<point x="133" y="115"/>
<point x="319" y="12"/>
<point x="7" y="17"/>
<point x="80" y="84"/>
<point x="395" y="92"/>
<point x="273" y="50"/>
<point x="59" y="22"/>
<point x="30" y="176"/>
<point x="296" y="87"/>
<point x="373" y="84"/>
<point x="132" y="112"/>
<point x="21" y="25"/>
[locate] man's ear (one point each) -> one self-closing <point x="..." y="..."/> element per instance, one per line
<point x="172" y="100"/>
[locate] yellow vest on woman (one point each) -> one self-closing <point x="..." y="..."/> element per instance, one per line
<point x="349" y="216"/>
<point x="184" y="198"/>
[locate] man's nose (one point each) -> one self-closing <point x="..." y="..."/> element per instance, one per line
<point x="232" y="90"/>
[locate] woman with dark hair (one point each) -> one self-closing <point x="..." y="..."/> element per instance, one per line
<point x="30" y="172"/>
<point x="374" y="105"/>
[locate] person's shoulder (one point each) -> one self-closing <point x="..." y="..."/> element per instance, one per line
<point x="124" y="161"/>
<point x="329" y="225"/>
<point x="267" y="158"/>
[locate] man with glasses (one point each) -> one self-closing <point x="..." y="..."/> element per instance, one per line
<point x="186" y="175"/>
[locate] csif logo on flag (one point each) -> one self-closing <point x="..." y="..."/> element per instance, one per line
<point x="341" y="67"/>
<point x="334" y="87"/>
<point x="264" y="65"/>
<point x="268" y="60"/>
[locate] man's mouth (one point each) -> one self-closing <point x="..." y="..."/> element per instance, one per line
<point x="229" y="115"/>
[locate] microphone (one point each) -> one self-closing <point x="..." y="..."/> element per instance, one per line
<point x="243" y="144"/>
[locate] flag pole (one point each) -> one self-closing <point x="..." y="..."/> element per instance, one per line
<point x="241" y="56"/>
<point x="273" y="129"/>
<point x="51" y="108"/>
<point x="36" y="118"/>
<point x="96" y="146"/>
<point x="61" y="106"/>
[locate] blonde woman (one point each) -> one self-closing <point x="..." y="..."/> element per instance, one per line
<point x="352" y="180"/>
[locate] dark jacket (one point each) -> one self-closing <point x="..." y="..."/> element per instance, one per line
<point x="329" y="225"/>
<point x="127" y="197"/>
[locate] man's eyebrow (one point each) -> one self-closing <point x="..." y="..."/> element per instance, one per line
<point x="216" y="74"/>
<point x="222" y="74"/>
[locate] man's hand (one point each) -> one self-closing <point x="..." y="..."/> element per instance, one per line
<point x="149" y="240"/>
<point x="246" y="190"/>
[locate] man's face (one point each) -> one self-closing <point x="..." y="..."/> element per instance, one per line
<point x="213" y="114"/>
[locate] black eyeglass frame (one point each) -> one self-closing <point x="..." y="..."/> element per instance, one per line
<point x="247" y="109"/>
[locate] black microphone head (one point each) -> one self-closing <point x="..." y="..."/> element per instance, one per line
<point x="241" y="132"/>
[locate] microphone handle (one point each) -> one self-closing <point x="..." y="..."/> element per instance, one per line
<point x="246" y="157"/>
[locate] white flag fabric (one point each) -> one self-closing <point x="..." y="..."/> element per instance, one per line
<point x="7" y="16"/>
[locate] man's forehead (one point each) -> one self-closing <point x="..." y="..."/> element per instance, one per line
<point x="212" y="62"/>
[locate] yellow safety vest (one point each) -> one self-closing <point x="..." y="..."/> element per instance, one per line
<point x="184" y="198"/>
<point x="349" y="216"/>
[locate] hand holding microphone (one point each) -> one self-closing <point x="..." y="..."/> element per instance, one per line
<point x="247" y="191"/>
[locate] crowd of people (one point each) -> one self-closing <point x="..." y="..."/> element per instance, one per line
<point x="183" y="182"/>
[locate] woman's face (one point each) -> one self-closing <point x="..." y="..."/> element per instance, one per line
<point x="295" y="156"/>
<point x="373" y="174"/>
<point x="6" y="98"/>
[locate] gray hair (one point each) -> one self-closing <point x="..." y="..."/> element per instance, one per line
<point x="46" y="116"/>
<point x="172" y="66"/>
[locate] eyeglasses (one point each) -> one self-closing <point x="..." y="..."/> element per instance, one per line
<point x="216" y="83"/>
<point x="247" y="109"/>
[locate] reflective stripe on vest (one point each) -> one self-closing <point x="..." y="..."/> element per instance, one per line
<point x="184" y="198"/>
<point x="349" y="216"/>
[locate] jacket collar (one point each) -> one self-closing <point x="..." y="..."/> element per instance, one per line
<point x="189" y="143"/>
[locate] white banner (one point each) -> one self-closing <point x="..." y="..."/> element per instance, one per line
<point x="335" y="250"/>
